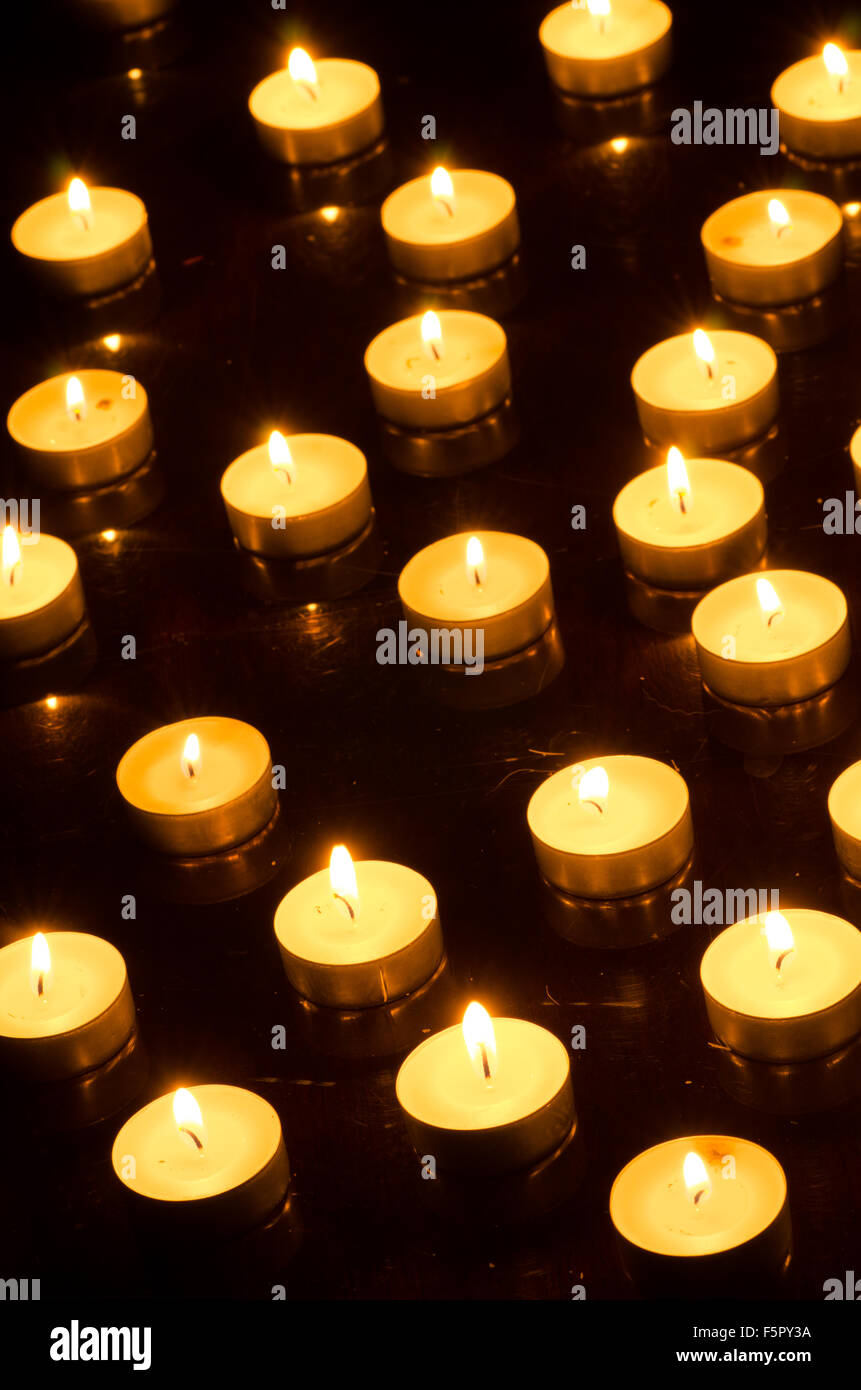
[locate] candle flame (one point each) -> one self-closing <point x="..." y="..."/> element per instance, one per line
<point x="442" y="189"/>
<point x="480" y="1040"/>
<point x="778" y="934"/>
<point x="75" y="398"/>
<point x="280" y="456"/>
<point x="40" y="966"/>
<point x="677" y="479"/>
<point x="703" y="347"/>
<point x="593" y="788"/>
<point x="79" y="197"/>
<point x="342" y="880"/>
<point x="476" y="567"/>
<point x="112" y="342"/>
<point x="432" y="332"/>
<point x="697" y="1180"/>
<point x="191" y="757"/>
<point x="189" y="1120"/>
<point x="835" y="60"/>
<point x="11" y="554"/>
<point x="301" y="68"/>
<point x="780" y="218"/>
<point x="598" y="9"/>
<point x="769" y="602"/>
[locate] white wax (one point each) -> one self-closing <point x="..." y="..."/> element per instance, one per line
<point x="723" y="498"/>
<point x="468" y="379"/>
<point x="344" y="89"/>
<point x="41" y="421"/>
<point x="46" y="570"/>
<point x="572" y="32"/>
<point x="392" y="913"/>
<point x="738" y="968"/>
<point x="670" y="376"/>
<point x="233" y="759"/>
<point x="814" y="610"/>
<point x="807" y="91"/>
<point x="645" y="801"/>
<point x="50" y="231"/>
<point x="742" y="232"/>
<point x="844" y="801"/>
<point x="87" y="976"/>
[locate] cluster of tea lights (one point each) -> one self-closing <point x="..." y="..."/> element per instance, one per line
<point x="485" y="1096"/>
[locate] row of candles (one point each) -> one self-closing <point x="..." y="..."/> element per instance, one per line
<point x="493" y="1096"/>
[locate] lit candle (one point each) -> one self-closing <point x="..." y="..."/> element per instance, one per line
<point x="772" y="639"/>
<point x="210" y="1162"/>
<point x="65" y="1004"/>
<point x="437" y="371"/>
<point x="844" y="810"/>
<point x="819" y="100"/>
<point x="773" y="247"/>
<point x="85" y="241"/>
<point x="704" y="1213"/>
<point x="356" y="935"/>
<point x="316" y="113"/>
<point x="706" y="390"/>
<point x="199" y="786"/>
<point x="786" y="986"/>
<point x="611" y="827"/>
<point x="82" y="430"/>
<point x="690" y="523"/>
<point x="451" y="226"/>
<point x="41" y="596"/>
<point x="487" y="1096"/>
<point x="599" y="49"/>
<point x="489" y="582"/>
<point x="298" y="495"/>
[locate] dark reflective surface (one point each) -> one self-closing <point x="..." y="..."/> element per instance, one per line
<point x="372" y="760"/>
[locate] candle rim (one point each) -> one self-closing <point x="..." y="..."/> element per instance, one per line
<point x="281" y="74"/>
<point x="52" y="1027"/>
<point x="762" y="658"/>
<point x="598" y="853"/>
<point x="567" y="7"/>
<point x="448" y="234"/>
<point x="799" y="113"/>
<point x="801" y="196"/>
<point x="763" y="350"/>
<point x="679" y="542"/>
<point x="419" y="929"/>
<point x="350" y="450"/>
<point x="140" y="400"/>
<point x="258" y="743"/>
<point x="72" y="258"/>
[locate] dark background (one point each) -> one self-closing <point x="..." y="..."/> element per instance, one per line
<point x="371" y="758"/>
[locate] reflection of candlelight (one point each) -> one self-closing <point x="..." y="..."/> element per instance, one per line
<point x="480" y="1039"/>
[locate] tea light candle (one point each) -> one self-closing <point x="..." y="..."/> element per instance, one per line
<point x="786" y="986"/>
<point x="487" y="1096"/>
<point x="773" y="247"/>
<point x="599" y="50"/>
<point x="65" y="1005"/>
<point x="85" y="241"/>
<point x="451" y="226"/>
<point x="708" y="1209"/>
<point x="211" y="1162"/>
<point x="83" y="430"/>
<point x="437" y="371"/>
<point x="317" y="113"/>
<point x="298" y="495"/>
<point x="356" y="935"/>
<point x="199" y="786"/>
<point x="819" y="100"/>
<point x="772" y="639"/>
<point x="41" y="596"/>
<point x="611" y="827"/>
<point x="844" y="810"/>
<point x="706" y="391"/>
<point x="491" y="582"/>
<point x="691" y="523"/>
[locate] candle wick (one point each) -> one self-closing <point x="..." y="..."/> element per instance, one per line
<point x="682" y="508"/>
<point x="773" y="617"/>
<point x="477" y="578"/>
<point x="40" y="986"/>
<point x="434" y="351"/>
<point x="183" y="1129"/>
<point x="840" y="86"/>
<point x="700" y="1194"/>
<point x="449" y="209"/>
<point x="782" y="957"/>
<point x="485" y="1062"/>
<point x="348" y="905"/>
<point x="598" y="807"/>
<point x="709" y="373"/>
<point x="309" y="89"/>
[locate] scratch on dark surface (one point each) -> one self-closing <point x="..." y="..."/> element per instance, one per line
<point x="290" y="1081"/>
<point x="549" y="999"/>
<point x="671" y="709"/>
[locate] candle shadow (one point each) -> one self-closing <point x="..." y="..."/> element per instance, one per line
<point x="617" y="923"/>
<point x="306" y="187"/>
<point x="792" y="327"/>
<point x="126" y="309"/>
<point x="216" y="878"/>
<point x="767" y="732"/>
<point x="497" y="292"/>
<point x="382" y="1031"/>
<point x="332" y="575"/>
<point x="49" y="1108"/>
<point x="116" y="506"/>
<point x="797" y="1088"/>
<point x="451" y="452"/>
<point x="507" y="681"/>
<point x="592" y="120"/>
<point x="55" y="672"/>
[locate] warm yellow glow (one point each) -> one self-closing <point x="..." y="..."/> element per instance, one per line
<point x="189" y="1120"/>
<point x="620" y="144"/>
<point x="109" y="536"/>
<point x="330" y="214"/>
<point x="778" y="934"/>
<point x="677" y="479"/>
<point x="342" y="880"/>
<point x="11" y="554"/>
<point x="74" y="398"/>
<point x="599" y="9"/>
<point x="476" y="567"/>
<point x="135" y="74"/>
<point x="40" y="966"/>
<point x="851" y="209"/>
<point x="191" y="756"/>
<point x="280" y="456"/>
<point x="703" y="347"/>
<point x="432" y="332"/>
<point x="769" y="602"/>
<point x="442" y="188"/>
<point x="835" y="60"/>
<point x="593" y="788"/>
<point x="52" y="702"/>
<point x="480" y="1041"/>
<point x="301" y="68"/>
<point x="697" y="1180"/>
<point x="112" y="342"/>
<point x="780" y="218"/>
<point x="79" y="197"/>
